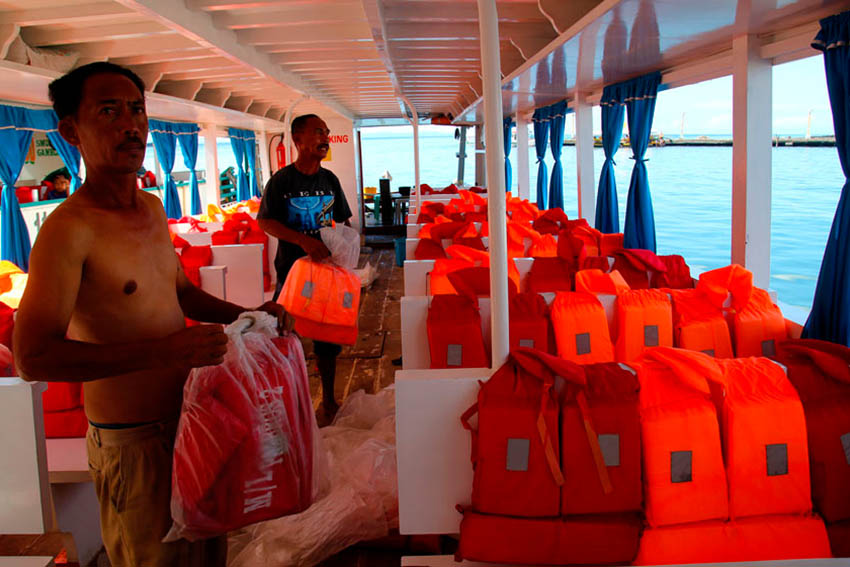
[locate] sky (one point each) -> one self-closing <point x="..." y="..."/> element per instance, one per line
<point x="707" y="106"/>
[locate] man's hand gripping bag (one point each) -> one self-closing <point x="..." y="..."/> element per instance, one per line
<point x="247" y="448"/>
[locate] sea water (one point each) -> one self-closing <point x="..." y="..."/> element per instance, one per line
<point x="691" y="191"/>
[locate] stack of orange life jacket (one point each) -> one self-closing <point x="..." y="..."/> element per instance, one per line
<point x="556" y="475"/>
<point x="819" y="371"/>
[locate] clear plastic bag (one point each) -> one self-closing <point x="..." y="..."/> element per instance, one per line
<point x="344" y="245"/>
<point x="363" y="500"/>
<point x="248" y="447"/>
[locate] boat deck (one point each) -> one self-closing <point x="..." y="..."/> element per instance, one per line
<point x="367" y="365"/>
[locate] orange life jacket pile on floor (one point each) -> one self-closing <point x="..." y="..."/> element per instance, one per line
<point x="556" y="458"/>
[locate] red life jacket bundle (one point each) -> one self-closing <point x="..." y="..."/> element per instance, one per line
<point x="820" y="373"/>
<point x="699" y="325"/>
<point x="192" y="259"/>
<point x="529" y="322"/>
<point x="608" y="243"/>
<point x="64" y="415"/>
<point x="247" y="447"/>
<point x="759" y="326"/>
<point x="550" y="274"/>
<point x="550" y="222"/>
<point x="455" y="337"/>
<point x="428" y="249"/>
<point x="839" y="538"/>
<point x="581" y="328"/>
<point x="763" y="538"/>
<point x="324" y="299"/>
<point x="764" y="440"/>
<point x="518" y="236"/>
<point x="520" y="210"/>
<point x="438" y="278"/>
<point x="684" y="474"/>
<point x="518" y="482"/>
<point x="600" y="263"/>
<point x="612" y="403"/>
<point x="638" y="267"/>
<point x="545" y="247"/>
<point x="580" y="540"/>
<point x="677" y="275"/>
<point x="644" y="320"/>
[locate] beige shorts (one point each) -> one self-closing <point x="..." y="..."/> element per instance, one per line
<point x="131" y="469"/>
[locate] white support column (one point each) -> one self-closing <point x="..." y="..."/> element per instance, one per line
<point x="522" y="178"/>
<point x="480" y="160"/>
<point x="752" y="103"/>
<point x="212" y="187"/>
<point x="265" y="163"/>
<point x="584" y="159"/>
<point x="414" y="121"/>
<point x="488" y="22"/>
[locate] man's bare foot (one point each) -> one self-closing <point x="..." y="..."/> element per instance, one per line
<point x="326" y="413"/>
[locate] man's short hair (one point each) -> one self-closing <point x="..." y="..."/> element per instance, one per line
<point x="300" y="123"/>
<point x="66" y="92"/>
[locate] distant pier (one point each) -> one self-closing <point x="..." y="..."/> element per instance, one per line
<point x="778" y="141"/>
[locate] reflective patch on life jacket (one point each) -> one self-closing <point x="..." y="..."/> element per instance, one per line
<point x="650" y="335"/>
<point x="681" y="466"/>
<point x="777" y="459"/>
<point x="347" y="300"/>
<point x="583" y="343"/>
<point x="768" y="347"/>
<point x="610" y="446"/>
<point x="526" y="343"/>
<point x="517" y="458"/>
<point x="454" y="355"/>
<point x="307" y="290"/>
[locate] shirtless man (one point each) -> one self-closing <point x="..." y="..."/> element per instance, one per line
<point x="105" y="305"/>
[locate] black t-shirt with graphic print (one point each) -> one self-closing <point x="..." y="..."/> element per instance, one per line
<point x="304" y="203"/>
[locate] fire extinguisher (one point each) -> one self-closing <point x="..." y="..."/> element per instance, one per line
<point x="281" y="154"/>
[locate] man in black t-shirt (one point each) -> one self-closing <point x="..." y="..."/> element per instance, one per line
<point x="298" y="201"/>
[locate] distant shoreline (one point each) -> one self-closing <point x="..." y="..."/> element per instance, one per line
<point x="704" y="141"/>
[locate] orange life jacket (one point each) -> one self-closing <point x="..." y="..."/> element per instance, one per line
<point x="581" y="328"/>
<point x="644" y="320"/>
<point x="597" y="281"/>
<point x="455" y="338"/>
<point x="699" y="325"/>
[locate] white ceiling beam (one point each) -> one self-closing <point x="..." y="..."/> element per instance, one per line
<point x="41" y="36"/>
<point x="453" y="11"/>
<point x="352" y="54"/>
<point x="207" y="75"/>
<point x="218" y="5"/>
<point x="294" y="15"/>
<point x="301" y="34"/>
<point x="299" y="48"/>
<point x="259" y="108"/>
<point x="361" y="66"/>
<point x="789" y="45"/>
<point x="510" y="58"/>
<point x="185" y="65"/>
<point x="240" y="103"/>
<point x="464" y="31"/>
<point x="130" y="47"/>
<point x="64" y="15"/>
<point x="151" y="76"/>
<point x="181" y="89"/>
<point x="237" y="84"/>
<point x="188" y="54"/>
<point x="274" y="112"/>
<point x="200" y="28"/>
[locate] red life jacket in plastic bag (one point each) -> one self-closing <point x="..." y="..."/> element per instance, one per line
<point x="247" y="445"/>
<point x="612" y="400"/>
<point x="700" y="325"/>
<point x="587" y="540"/>
<point x="638" y="267"/>
<point x="581" y="328"/>
<point x="764" y="434"/>
<point x="529" y="322"/>
<point x="550" y="222"/>
<point x="644" y="320"/>
<point x="455" y="337"/>
<point x="550" y="274"/>
<point x="819" y="371"/>
<point x="765" y="538"/>
<point x="684" y="474"/>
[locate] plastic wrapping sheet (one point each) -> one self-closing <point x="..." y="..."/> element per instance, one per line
<point x="344" y="245"/>
<point x="363" y="499"/>
<point x="248" y="448"/>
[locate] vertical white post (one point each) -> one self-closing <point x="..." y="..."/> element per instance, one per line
<point x="480" y="161"/>
<point x="488" y="22"/>
<point x="82" y="170"/>
<point x="522" y="177"/>
<point x="265" y="162"/>
<point x="212" y="187"/>
<point x="584" y="159"/>
<point x="751" y="158"/>
<point x="414" y="121"/>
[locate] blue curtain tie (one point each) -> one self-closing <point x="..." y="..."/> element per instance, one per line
<point x="638" y="159"/>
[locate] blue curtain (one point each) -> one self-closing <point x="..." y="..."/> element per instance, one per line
<point x="557" y="117"/>
<point x="640" y="95"/>
<point x="541" y="135"/>
<point x="237" y="142"/>
<point x="830" y="316"/>
<point x="165" y="144"/>
<point x="14" y="144"/>
<point x="251" y="157"/>
<point x="188" y="139"/>
<point x="613" y="113"/>
<point x="508" y="128"/>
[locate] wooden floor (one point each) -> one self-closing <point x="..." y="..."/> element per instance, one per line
<point x="368" y="365"/>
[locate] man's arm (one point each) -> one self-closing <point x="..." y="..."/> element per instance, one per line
<point x="201" y="306"/>
<point x="42" y="351"/>
<point x="314" y="247"/>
